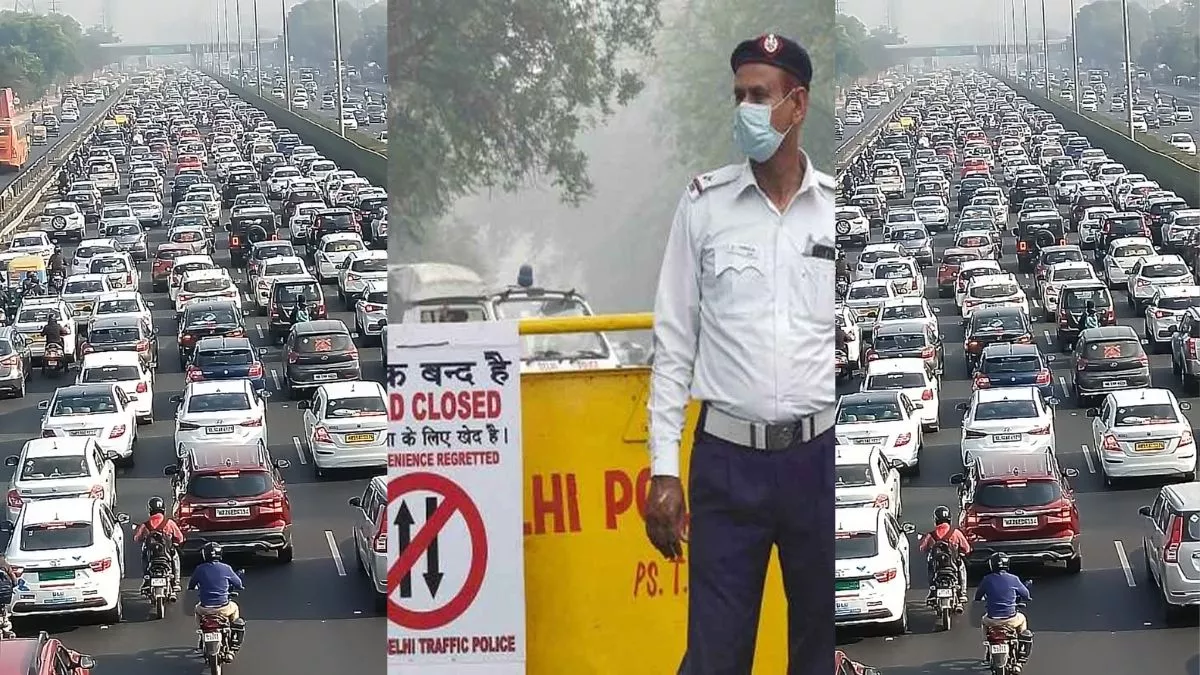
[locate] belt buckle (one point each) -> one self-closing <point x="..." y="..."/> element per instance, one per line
<point x="779" y="436"/>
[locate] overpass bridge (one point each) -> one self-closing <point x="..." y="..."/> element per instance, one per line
<point x="906" y="51"/>
<point x="117" y="51"/>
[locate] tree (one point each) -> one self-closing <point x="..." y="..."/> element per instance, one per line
<point x="488" y="93"/>
<point x="371" y="45"/>
<point x="1101" y="34"/>
<point x="699" y="107"/>
<point x="1174" y="42"/>
<point x="310" y="31"/>
<point x="862" y="52"/>
<point x="38" y="50"/>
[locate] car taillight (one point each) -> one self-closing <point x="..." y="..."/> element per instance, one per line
<point x="66" y="330"/>
<point x="372" y="307"/>
<point x="882" y="501"/>
<point x="236" y="333"/>
<point x="1160" y="314"/>
<point x="256" y="370"/>
<point x="321" y="435"/>
<point x="188" y="426"/>
<point x="1022" y="246"/>
<point x="321" y="308"/>
<point x="350" y="276"/>
<point x="97" y="492"/>
<point x="101" y="565"/>
<point x="187" y="338"/>
<point x="183" y="297"/>
<point x="1186" y="438"/>
<point x="1110" y="315"/>
<point x="872" y="355"/>
<point x="142" y="388"/>
<point x="928" y="353"/>
<point x="1144" y="360"/>
<point x="1081" y="364"/>
<point x="1110" y="444"/>
<point x="902" y="440"/>
<point x="143" y="345"/>
<point x="293" y="357"/>
<point x="1040" y="431"/>
<point x="256" y="422"/>
<point x="1043" y="376"/>
<point x="1174" y="540"/>
<point x="234" y="241"/>
<point x="14" y="499"/>
<point x="1190" y="346"/>
<point x="886" y="575"/>
<point x="184" y="508"/>
<point x="927" y="395"/>
<point x="1141" y="282"/>
<point x="379" y="542"/>
<point x="117" y="432"/>
<point x="982" y="382"/>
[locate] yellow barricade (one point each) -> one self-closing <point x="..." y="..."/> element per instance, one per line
<point x="599" y="599"/>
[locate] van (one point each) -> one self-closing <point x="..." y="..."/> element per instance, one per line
<point x="1072" y="300"/>
<point x="438" y="293"/>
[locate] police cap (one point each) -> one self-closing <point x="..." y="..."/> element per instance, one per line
<point x="774" y="50"/>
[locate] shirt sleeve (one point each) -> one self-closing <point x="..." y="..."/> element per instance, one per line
<point x="982" y="590"/>
<point x="194" y="582"/>
<point x="676" y="334"/>
<point x="1022" y="590"/>
<point x="234" y="580"/>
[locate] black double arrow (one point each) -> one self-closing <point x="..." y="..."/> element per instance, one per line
<point x="433" y="574"/>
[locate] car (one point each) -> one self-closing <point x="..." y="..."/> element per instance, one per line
<point x="206" y="285"/>
<point x="129" y="333"/>
<point x="1183" y="143"/>
<point x="16" y="362"/>
<point x="220" y="412"/>
<point x="1143" y="432"/>
<point x="210" y="318"/>
<point x="1171" y="546"/>
<point x="865" y="477"/>
<point x="370" y="312"/>
<point x="232" y="495"/>
<point x="121" y="303"/>
<point x="127" y="370"/>
<point x="1073" y="299"/>
<point x="917" y="378"/>
<point x="43" y="655"/>
<point x="183" y="265"/>
<point x="369" y="534"/>
<point x="262" y="251"/>
<point x="1151" y="273"/>
<point x="80" y="292"/>
<point x="852" y="225"/>
<point x="332" y="251"/>
<point x="871" y="567"/>
<point x="888" y="419"/>
<point x="357" y="270"/>
<point x="990" y="291"/>
<point x="227" y="358"/>
<point x="55" y="468"/>
<point x="286" y="290"/>
<point x="970" y="269"/>
<point x="317" y="352"/>
<point x="1008" y="420"/>
<point x="195" y="237"/>
<point x="1107" y="359"/>
<point x="130" y="237"/>
<point x="1020" y="504"/>
<point x="1058" y="274"/>
<point x="32" y="316"/>
<point x="1163" y="312"/>
<point x="88" y="249"/>
<point x="866" y="297"/>
<point x="102" y="411"/>
<point x="874" y="254"/>
<point x="1005" y="364"/>
<point x="345" y="425"/>
<point x="147" y="208"/>
<point x="63" y="220"/>
<point x="118" y="266"/>
<point x="31" y="243"/>
<point x="71" y="556"/>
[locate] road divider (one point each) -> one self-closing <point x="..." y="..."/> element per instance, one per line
<point x="360" y="153"/>
<point x="867" y="133"/>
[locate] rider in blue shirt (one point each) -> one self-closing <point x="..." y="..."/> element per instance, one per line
<point x="1002" y="590"/>
<point x="213" y="580"/>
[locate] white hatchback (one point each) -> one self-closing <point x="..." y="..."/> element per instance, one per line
<point x="206" y="285"/>
<point x="333" y="250"/>
<point x="1008" y="419"/>
<point x="914" y="378"/>
<point x="871" y="563"/>
<point x="128" y="371"/>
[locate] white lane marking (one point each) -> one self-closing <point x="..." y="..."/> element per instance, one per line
<point x="275" y="379"/>
<point x="1087" y="457"/>
<point x="261" y="335"/>
<point x="1049" y="341"/>
<point x="1124" y="563"/>
<point x="299" y="449"/>
<point x="1062" y="382"/>
<point x="248" y="298"/>
<point x="337" y="555"/>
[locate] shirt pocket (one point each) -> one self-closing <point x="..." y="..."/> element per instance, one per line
<point x="733" y="278"/>
<point x="816" y="279"/>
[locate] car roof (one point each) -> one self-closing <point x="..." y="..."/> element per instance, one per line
<point x="1148" y="395"/>
<point x="1109" y="333"/>
<point x="210" y="305"/>
<point x="1005" y="465"/>
<point x="210" y="457"/>
<point x="217" y="273"/>
<point x="56" y="447"/>
<point x="1184" y="496"/>
<point x="320" y="326"/>
<point x="356" y="388"/>
<point x="1004" y="394"/>
<point x="117" y="358"/>
<point x="216" y="387"/>
<point x="854" y="453"/>
<point x="857" y="519"/>
<point x="118" y="321"/>
<point x="221" y="342"/>
<point x="1161" y="258"/>
<point x="1178" y="291"/>
<point x="906" y="365"/>
<point x="1000" y="349"/>
<point x="889" y="396"/>
<point x="1071" y="264"/>
<point x="118" y="295"/>
<point x="65" y="509"/>
<point x="902" y="326"/>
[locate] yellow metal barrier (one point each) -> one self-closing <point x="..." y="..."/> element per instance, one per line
<point x="599" y="599"/>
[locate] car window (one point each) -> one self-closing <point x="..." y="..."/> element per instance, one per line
<point x="56" y="536"/>
<point x="64" y="466"/>
<point x="1142" y="414"/>
<point x="230" y="484"/>
<point x="122" y="306"/>
<point x="854" y="545"/>
<point x="1112" y="349"/>
<point x="1078" y="298"/>
<point x="218" y="402"/>
<point x="1004" y="410"/>
<point x="210" y="317"/>
<point x="1191" y="525"/>
<point x="83" y="404"/>
<point x="355" y="406"/>
<point x="224" y="357"/>
<point x="1017" y="493"/>
<point x="322" y="343"/>
<point x="111" y="374"/>
<point x="873" y="411"/>
<point x="881" y="381"/>
<point x="854" y="475"/>
<point x="1012" y="364"/>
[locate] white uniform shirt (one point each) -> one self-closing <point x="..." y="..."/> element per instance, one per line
<point x="743" y="318"/>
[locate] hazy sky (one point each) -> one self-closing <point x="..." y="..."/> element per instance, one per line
<point x="146" y="21"/>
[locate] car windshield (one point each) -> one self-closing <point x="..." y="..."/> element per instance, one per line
<point x="93" y="250"/>
<point x="1160" y="270"/>
<point x="988" y="411"/>
<point x="891" y="341"/>
<point x="279" y="269"/>
<point x="884" y="381"/>
<point x="83" y="404"/>
<point x="550" y="346"/>
<point x="324" y="343"/>
<point x="1021" y="363"/>
<point x="972" y="241"/>
<point x="61" y="466"/>
<point x="871" y="292"/>
<point x="989" y="291"/>
<point x="1078" y="298"/>
<point x="872" y="411"/>
<point x="1112" y="349"/>
<point x="111" y="374"/>
<point x="854" y="475"/>
<point x="118" y="335"/>
<point x="273" y="251"/>
<point x="290" y="293"/>
<point x="56" y="536"/>
<point x="355" y="406"/>
<point x="230" y="485"/>
<point x="1072" y="274"/>
<point x="107" y="266"/>
<point x="206" y="285"/>
<point x="218" y="402"/>
<point x="28" y="241"/>
<point x="1055" y="257"/>
<point x="876" y="256"/>
<point x="855" y="545"/>
<point x="1015" y="494"/>
<point x="1178" y="302"/>
<point x="847" y="214"/>
<point x="84" y="286"/>
<point x="119" y="306"/>
<point x="58" y="211"/>
<point x="369" y="265"/>
<point x="210" y="317"/>
<point x="223" y="357"/>
<point x="343" y="246"/>
<point x="1146" y="413"/>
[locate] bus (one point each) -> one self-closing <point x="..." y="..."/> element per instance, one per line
<point x="14" y="144"/>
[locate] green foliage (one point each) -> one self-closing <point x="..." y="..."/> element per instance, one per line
<point x="861" y="52"/>
<point x="39" y="50"/>
<point x="364" y="33"/>
<point x="487" y="93"/>
<point x="1175" y="42"/>
<point x="1101" y="33"/>
<point x="695" y="63"/>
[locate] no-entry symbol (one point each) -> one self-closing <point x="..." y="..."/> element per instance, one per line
<point x="423" y="543"/>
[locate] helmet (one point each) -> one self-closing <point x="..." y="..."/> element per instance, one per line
<point x="998" y="562"/>
<point x="212" y="552"/>
<point x="1090" y="305"/>
<point x="941" y="516"/>
<point x="156" y="506"/>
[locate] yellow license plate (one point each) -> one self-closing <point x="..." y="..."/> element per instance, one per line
<point x="360" y="438"/>
<point x="37" y="338"/>
<point x="1149" y="446"/>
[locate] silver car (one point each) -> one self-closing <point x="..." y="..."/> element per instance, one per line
<point x="130" y="237"/>
<point x="1166" y="307"/>
<point x="1171" y="543"/>
<point x="370" y="533"/>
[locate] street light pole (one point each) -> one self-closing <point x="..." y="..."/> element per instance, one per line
<point x="1012" y="10"/>
<point x="337" y="64"/>
<point x="258" y="68"/>
<point x="1045" y="52"/>
<point x="1028" y="54"/>
<point x="287" y="60"/>
<point x="1128" y="66"/>
<point x="1074" y="56"/>
<point x="237" y="7"/>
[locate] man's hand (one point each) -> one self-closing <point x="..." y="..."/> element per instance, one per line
<point x="665" y="516"/>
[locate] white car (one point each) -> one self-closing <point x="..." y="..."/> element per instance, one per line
<point x="915" y="378"/>
<point x="866" y="297"/>
<point x="80" y="292"/>
<point x="932" y="211"/>
<point x="852" y="225"/>
<point x="1183" y="143"/>
<point x="183" y="265"/>
<point x="222" y="412"/>
<point x="121" y="303"/>
<point x="70" y="115"/>
<point x="118" y="266"/>
<point x="1143" y="432"/>
<point x="118" y="211"/>
<point x="31" y="243"/>
<point x="63" y="219"/>
<point x="128" y="371"/>
<point x="1056" y="276"/>
<point x="270" y="268"/>
<point x="988" y="291"/>
<point x="1068" y="182"/>
<point x="370" y="311"/>
<point x="346" y="426"/>
<point x="1123" y="253"/>
<point x="55" y="468"/>
<point x="1089" y="225"/>
<point x="1179" y="227"/>
<point x="872" y="255"/>
<point x="1163" y="313"/>
<point x="101" y="411"/>
<point x="888" y="419"/>
<point x="71" y="553"/>
<point x="866" y="478"/>
<point x="277" y="184"/>
<point x="206" y="284"/>
<point x="1153" y="272"/>
<point x="358" y="269"/>
<point x="321" y="169"/>
<point x="1009" y="419"/>
<point x="300" y="103"/>
<point x="209" y="195"/>
<point x="333" y="249"/>
<point x="348" y="121"/>
<point x="31" y="318"/>
<point x="871" y="564"/>
<point x="146" y="207"/>
<point x="905" y="276"/>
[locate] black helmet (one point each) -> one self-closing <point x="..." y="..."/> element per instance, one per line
<point x="998" y="562"/>
<point x="941" y="516"/>
<point x="211" y="552"/>
<point x="1090" y="305"/>
<point x="156" y="506"/>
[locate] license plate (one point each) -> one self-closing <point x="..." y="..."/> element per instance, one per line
<point x="83" y="432"/>
<point x="63" y="600"/>
<point x="868" y="441"/>
<point x="218" y="430"/>
<point x="998" y="649"/>
<point x="847" y="607"/>
<point x="1007" y="438"/>
<point x="158" y="582"/>
<point x="945" y="592"/>
<point x="1021" y="522"/>
<point x="360" y="438"/>
<point x="1113" y="384"/>
<point x="1149" y="446"/>
<point x="56" y="575"/>
<point x="216" y="637"/>
<point x="324" y="377"/>
<point x="37" y="338"/>
<point x="845" y="585"/>
<point x="236" y="512"/>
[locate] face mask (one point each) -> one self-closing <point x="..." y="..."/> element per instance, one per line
<point x="753" y="132"/>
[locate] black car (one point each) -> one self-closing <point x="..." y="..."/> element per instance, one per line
<point x="269" y="163"/>
<point x="220" y="318"/>
<point x="1024" y="188"/>
<point x="907" y="340"/>
<point x="316" y="352"/>
<point x="1073" y="299"/>
<point x="996" y="325"/>
<point x="1036" y="230"/>
<point x="88" y="205"/>
<point x="239" y="183"/>
<point x="1117" y="226"/>
<point x="248" y="227"/>
<point x="181" y="184"/>
<point x="328" y="221"/>
<point x="123" y="334"/>
<point x="1109" y="358"/>
<point x="967" y="188"/>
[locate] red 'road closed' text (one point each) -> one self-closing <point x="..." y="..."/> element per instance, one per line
<point x="446" y="406"/>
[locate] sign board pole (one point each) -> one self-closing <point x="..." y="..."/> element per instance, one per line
<point x="456" y="566"/>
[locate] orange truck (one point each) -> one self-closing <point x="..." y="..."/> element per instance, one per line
<point x="14" y="134"/>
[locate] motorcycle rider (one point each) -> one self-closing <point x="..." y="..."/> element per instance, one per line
<point x="214" y="580"/>
<point x="31" y="286"/>
<point x="1002" y="590"/>
<point x="56" y="262"/>
<point x="945" y="532"/>
<point x="299" y="311"/>
<point x="169" y="539"/>
<point x="53" y="332"/>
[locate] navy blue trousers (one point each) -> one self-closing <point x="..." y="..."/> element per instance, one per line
<point x="743" y="503"/>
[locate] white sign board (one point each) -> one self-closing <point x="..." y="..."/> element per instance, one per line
<point x="456" y="579"/>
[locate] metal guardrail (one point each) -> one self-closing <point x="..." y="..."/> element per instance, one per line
<point x="850" y="148"/>
<point x="27" y="184"/>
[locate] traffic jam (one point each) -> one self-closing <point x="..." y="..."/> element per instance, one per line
<point x="1019" y="351"/>
<point x="196" y="315"/>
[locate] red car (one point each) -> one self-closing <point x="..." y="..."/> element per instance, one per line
<point x="947" y="274"/>
<point x="42" y="655"/>
<point x="972" y="167"/>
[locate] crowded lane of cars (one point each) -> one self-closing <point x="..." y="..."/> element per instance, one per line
<point x="1073" y="453"/>
<point x="147" y="381"/>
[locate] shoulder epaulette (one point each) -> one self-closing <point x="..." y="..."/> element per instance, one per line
<point x="722" y="176"/>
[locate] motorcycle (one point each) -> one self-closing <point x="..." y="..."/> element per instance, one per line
<point x="1007" y="651"/>
<point x="159" y="586"/>
<point x="216" y="639"/>
<point x="946" y="594"/>
<point x="53" y="362"/>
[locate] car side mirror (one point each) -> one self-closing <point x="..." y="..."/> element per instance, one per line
<point x="908" y="528"/>
<point x="43" y="405"/>
<point x="1016" y="232"/>
<point x="123" y="518"/>
<point x="1092" y="412"/>
<point x="897" y="464"/>
<point x="177" y="399"/>
<point x="962" y="406"/>
<point x="957" y="479"/>
<point x="171" y="470"/>
<point x="11" y="460"/>
<point x="6" y="527"/>
<point x="85" y="662"/>
<point x="1144" y="511"/>
<point x="282" y="464"/>
<point x="1185" y="406"/>
<point x="356" y="502"/>
<point x="112" y="456"/>
<point x="1071" y="472"/>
